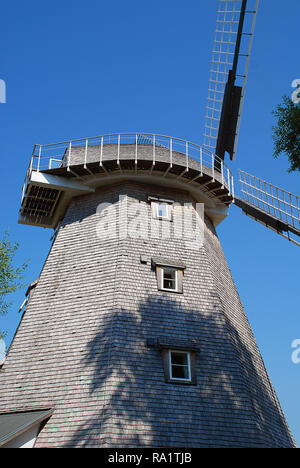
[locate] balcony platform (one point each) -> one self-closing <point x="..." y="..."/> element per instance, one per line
<point x="79" y="167"/>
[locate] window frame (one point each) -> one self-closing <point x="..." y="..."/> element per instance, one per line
<point x="179" y="379"/>
<point x="178" y="279"/>
<point x="155" y="209"/>
<point x="163" y="269"/>
<point x="167" y="207"/>
<point x="167" y="370"/>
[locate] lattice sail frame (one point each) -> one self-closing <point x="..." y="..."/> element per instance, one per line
<point x="228" y="17"/>
<point x="275" y="202"/>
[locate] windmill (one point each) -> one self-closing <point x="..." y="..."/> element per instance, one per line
<point x="138" y="338"/>
<point x="277" y="209"/>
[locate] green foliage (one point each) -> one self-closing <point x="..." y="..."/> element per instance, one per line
<point x="10" y="275"/>
<point x="286" y="134"/>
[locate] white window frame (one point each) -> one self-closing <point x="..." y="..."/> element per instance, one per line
<point x="155" y="209"/>
<point x="167" y="206"/>
<point x="177" y="379"/>
<point x="163" y="268"/>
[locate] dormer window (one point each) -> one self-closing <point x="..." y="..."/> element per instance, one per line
<point x="179" y="363"/>
<point x="161" y="208"/>
<point x="180" y="366"/>
<point x="169" y="274"/>
<point x="169" y="279"/>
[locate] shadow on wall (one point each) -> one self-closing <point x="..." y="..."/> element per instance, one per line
<point x="231" y="404"/>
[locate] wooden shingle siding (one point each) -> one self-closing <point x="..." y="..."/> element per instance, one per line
<point x="81" y="347"/>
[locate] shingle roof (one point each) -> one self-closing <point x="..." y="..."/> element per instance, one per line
<point x="13" y="424"/>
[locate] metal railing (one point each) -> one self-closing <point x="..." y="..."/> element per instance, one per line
<point x="51" y="156"/>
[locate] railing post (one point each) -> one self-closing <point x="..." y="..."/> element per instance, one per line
<point x="85" y="153"/>
<point x="187" y="155"/>
<point x="101" y="151"/>
<point x="213" y="166"/>
<point x="118" y="161"/>
<point x="201" y="156"/>
<point x="171" y="152"/>
<point x="153" y="150"/>
<point x="222" y="174"/>
<point x="228" y="180"/>
<point x="32" y="156"/>
<point x="136" y="149"/>
<point x="39" y="158"/>
<point x="69" y="155"/>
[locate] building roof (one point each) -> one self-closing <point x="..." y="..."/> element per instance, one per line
<point x="13" y="424"/>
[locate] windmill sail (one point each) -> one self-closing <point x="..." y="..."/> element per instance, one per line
<point x="228" y="74"/>
<point x="272" y="206"/>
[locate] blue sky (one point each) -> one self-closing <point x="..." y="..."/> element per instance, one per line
<point x="75" y="69"/>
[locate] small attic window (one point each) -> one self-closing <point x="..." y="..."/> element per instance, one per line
<point x="180" y="365"/>
<point x="169" y="279"/>
<point x="169" y="275"/>
<point x="161" y="208"/>
<point x="178" y="357"/>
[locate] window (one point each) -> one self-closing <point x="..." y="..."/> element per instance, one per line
<point x="169" y="274"/>
<point x="180" y="365"/>
<point x="169" y="279"/>
<point x="178" y="358"/>
<point x="161" y="209"/>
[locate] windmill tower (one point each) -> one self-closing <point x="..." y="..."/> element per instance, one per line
<point x="134" y="334"/>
